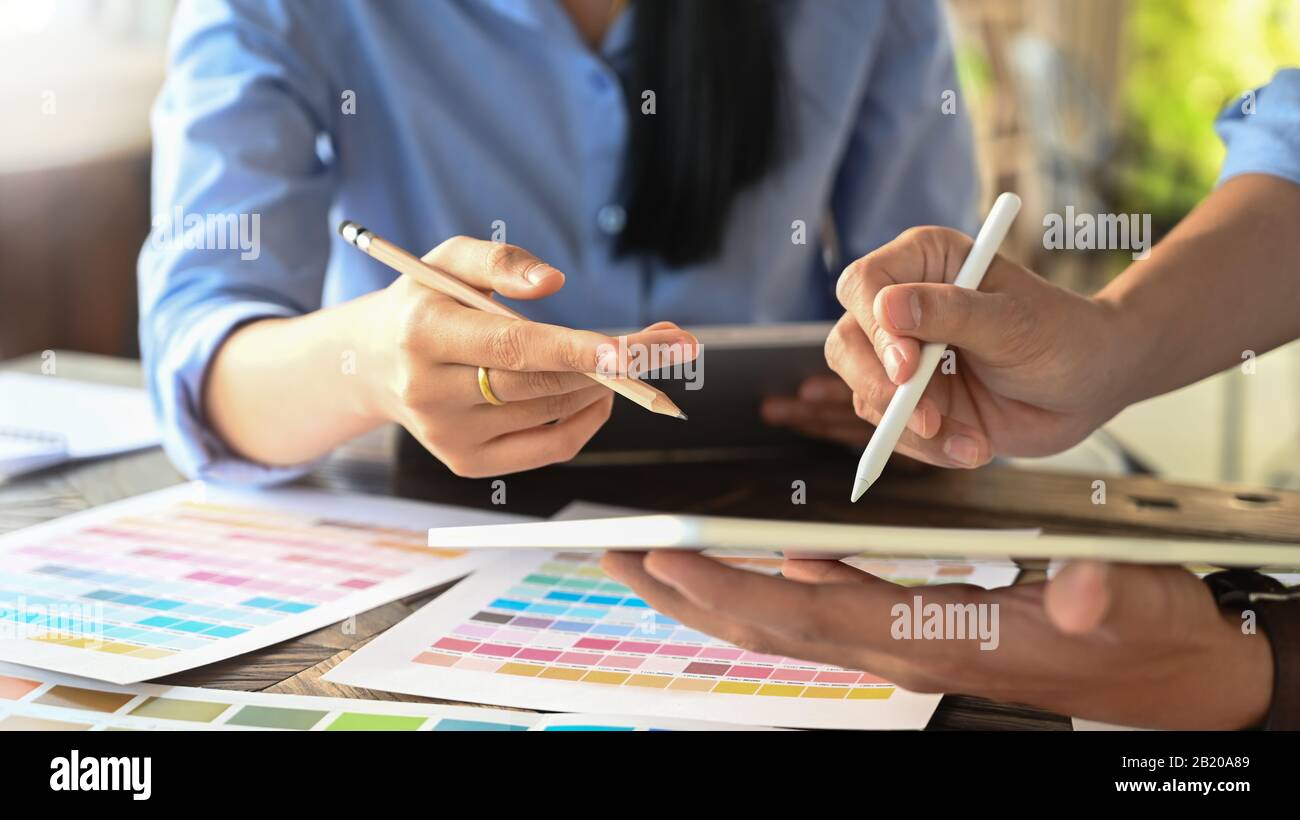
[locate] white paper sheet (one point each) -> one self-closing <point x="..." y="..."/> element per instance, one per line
<point x="548" y="631"/>
<point x="68" y="420"/>
<point x="1081" y="725"/>
<point x="476" y="643"/>
<point x="195" y="574"/>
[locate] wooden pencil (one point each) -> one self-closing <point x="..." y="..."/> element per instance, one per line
<point x="446" y="283"/>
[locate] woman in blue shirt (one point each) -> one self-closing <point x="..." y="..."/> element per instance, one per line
<point x="612" y="163"/>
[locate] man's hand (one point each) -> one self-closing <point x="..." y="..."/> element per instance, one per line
<point x="1128" y="644"/>
<point x="1037" y="367"/>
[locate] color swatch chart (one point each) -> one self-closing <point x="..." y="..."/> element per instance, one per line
<point x="35" y="700"/>
<point x="191" y="575"/>
<point x="548" y="630"/>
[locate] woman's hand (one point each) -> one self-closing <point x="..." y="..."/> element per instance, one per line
<point x="430" y="348"/>
<point x="823" y="409"/>
<point x="1037" y="367"/>
<point x="1128" y="644"/>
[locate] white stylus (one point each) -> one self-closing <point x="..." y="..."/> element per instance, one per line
<point x="900" y="408"/>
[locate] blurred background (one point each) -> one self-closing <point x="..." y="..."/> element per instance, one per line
<point x="1106" y="105"/>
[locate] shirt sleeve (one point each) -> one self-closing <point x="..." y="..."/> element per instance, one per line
<point x="910" y="159"/>
<point x="241" y="199"/>
<point x="1262" y="130"/>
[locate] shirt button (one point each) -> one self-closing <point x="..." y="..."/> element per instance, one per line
<point x="599" y="82"/>
<point x="611" y="219"/>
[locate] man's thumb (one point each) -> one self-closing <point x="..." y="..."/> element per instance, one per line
<point x="1092" y="596"/>
<point x="1078" y="597"/>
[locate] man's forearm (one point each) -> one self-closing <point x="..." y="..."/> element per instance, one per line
<point x="1225" y="281"/>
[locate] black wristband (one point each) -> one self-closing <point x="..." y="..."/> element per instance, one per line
<point x="1277" y="611"/>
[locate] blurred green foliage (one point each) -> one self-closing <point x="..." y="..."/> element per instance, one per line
<point x="1187" y="59"/>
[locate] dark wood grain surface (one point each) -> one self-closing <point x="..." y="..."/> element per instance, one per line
<point x="990" y="497"/>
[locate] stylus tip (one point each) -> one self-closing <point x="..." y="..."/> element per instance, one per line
<point x="859" y="487"/>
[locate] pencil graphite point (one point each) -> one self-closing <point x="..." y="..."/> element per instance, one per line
<point x="680" y="415"/>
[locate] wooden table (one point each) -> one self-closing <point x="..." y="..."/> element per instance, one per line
<point x="990" y="497"/>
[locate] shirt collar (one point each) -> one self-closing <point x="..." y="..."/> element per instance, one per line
<point x="619" y="36"/>
<point x="525" y="12"/>
<point x="535" y="13"/>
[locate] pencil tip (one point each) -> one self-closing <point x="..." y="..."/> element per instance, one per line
<point x="680" y="415"/>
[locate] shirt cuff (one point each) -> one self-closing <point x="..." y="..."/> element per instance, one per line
<point x="176" y="382"/>
<point x="1262" y="130"/>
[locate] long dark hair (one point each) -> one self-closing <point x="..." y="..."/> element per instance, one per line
<point x="714" y="67"/>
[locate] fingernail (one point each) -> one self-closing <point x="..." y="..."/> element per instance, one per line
<point x="917" y="422"/>
<point x="539" y="273"/>
<point x="893" y="361"/>
<point x="963" y="450"/>
<point x="607" y="361"/>
<point x="921" y="419"/>
<point x="905" y="316"/>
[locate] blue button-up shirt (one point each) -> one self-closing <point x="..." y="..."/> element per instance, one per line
<point x="1262" y="130"/>
<point x="492" y="118"/>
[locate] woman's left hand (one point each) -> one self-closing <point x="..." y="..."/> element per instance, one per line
<point x="823" y="409"/>
<point x="1128" y="644"/>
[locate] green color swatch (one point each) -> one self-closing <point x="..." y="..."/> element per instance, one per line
<point x="358" y="722"/>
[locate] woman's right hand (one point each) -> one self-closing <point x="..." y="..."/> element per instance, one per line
<point x="429" y="348"/>
<point x="1037" y="367"/>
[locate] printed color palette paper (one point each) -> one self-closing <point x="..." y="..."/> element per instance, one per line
<point x="194" y="574"/>
<point x="550" y="631"/>
<point x="36" y="700"/>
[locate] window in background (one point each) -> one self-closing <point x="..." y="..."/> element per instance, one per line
<point x="77" y="78"/>
<point x="1108" y="106"/>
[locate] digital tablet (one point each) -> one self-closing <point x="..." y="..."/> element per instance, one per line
<point x="801" y="539"/>
<point x="721" y="393"/>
